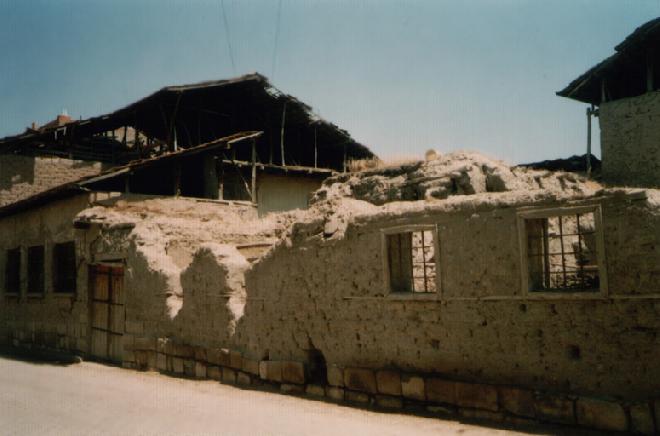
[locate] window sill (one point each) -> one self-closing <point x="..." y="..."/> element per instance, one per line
<point x="36" y="296"/>
<point x="406" y="296"/>
<point x="7" y="295"/>
<point x="64" y="294"/>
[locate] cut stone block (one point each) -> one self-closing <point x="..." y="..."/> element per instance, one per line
<point x="315" y="390"/>
<point x="250" y="366"/>
<point x="478" y="396"/>
<point x="517" y="401"/>
<point x="214" y="373"/>
<point x="200" y="370"/>
<point x="243" y="378"/>
<point x="335" y="376"/>
<point x="641" y="419"/>
<point x="177" y="365"/>
<point x="270" y="370"/>
<point x="601" y="414"/>
<point x="335" y="393"/>
<point x="554" y="408"/>
<point x="388" y="382"/>
<point x="293" y="372"/>
<point x="440" y="391"/>
<point x="357" y="397"/>
<point x="389" y="402"/>
<point x="360" y="379"/>
<point x="161" y="362"/>
<point x="200" y="354"/>
<point x="290" y="388"/>
<point x="235" y="359"/>
<point x="144" y="344"/>
<point x="228" y="376"/>
<point x="412" y="387"/>
<point x="189" y="367"/>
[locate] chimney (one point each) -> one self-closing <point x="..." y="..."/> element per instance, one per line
<point x="63" y="118"/>
<point x="34" y="126"/>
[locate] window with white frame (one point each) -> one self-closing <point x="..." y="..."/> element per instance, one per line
<point x="562" y="250"/>
<point x="411" y="260"/>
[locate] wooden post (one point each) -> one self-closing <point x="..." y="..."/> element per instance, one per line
<point x="177" y="179"/>
<point x="344" y="157"/>
<point x="316" y="151"/>
<point x="282" y="134"/>
<point x="589" y="112"/>
<point x="221" y="178"/>
<point x="127" y="184"/>
<point x="603" y="91"/>
<point x="210" y="177"/>
<point x="125" y="134"/>
<point x="253" y="192"/>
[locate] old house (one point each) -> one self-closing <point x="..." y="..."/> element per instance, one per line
<point x="457" y="284"/>
<point x="623" y="91"/>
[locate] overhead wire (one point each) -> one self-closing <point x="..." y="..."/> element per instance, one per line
<point x="228" y="36"/>
<point x="277" y="37"/>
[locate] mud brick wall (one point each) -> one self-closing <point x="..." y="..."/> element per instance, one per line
<point x="328" y="295"/>
<point x="630" y="138"/>
<point x="24" y="176"/>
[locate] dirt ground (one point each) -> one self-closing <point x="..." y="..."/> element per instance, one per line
<point x="90" y="398"/>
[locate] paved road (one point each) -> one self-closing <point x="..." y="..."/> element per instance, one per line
<point x="89" y="398"/>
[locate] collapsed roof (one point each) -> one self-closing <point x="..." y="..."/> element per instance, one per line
<point x="631" y="71"/>
<point x="189" y="115"/>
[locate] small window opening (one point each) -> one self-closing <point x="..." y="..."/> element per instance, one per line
<point x="35" y="269"/>
<point x="13" y="271"/>
<point x="411" y="260"/>
<point x="64" y="267"/>
<point x="562" y="255"/>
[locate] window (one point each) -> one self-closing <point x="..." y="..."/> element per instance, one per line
<point x="35" y="264"/>
<point x="411" y="263"/>
<point x="13" y="271"/>
<point x="64" y="267"/>
<point x="563" y="251"/>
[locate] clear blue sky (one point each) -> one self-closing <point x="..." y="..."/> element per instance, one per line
<point x="401" y="76"/>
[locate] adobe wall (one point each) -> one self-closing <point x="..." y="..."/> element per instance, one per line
<point x="24" y="176"/>
<point x="53" y="320"/>
<point x="328" y="294"/>
<point x="630" y="140"/>
<point x="280" y="193"/>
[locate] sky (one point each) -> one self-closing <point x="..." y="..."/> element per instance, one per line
<point x="401" y="76"/>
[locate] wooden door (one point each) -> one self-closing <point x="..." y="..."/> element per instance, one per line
<point x="107" y="312"/>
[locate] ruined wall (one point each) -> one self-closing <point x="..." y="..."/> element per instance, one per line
<point x="630" y="140"/>
<point x="53" y="320"/>
<point x="280" y="193"/>
<point x="328" y="294"/>
<point x="24" y="176"/>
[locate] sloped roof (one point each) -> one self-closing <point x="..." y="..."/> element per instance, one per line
<point x="624" y="70"/>
<point x="207" y="110"/>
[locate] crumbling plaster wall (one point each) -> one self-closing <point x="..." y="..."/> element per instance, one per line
<point x="327" y="293"/>
<point x="630" y="140"/>
<point x="184" y="263"/>
<point x="52" y="320"/>
<point x="24" y="176"/>
<point x="279" y="193"/>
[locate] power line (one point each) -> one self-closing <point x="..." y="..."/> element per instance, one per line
<point x="227" y="36"/>
<point x="277" y="37"/>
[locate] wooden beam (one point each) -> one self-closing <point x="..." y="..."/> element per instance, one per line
<point x="253" y="191"/>
<point x="316" y="150"/>
<point x="282" y="135"/>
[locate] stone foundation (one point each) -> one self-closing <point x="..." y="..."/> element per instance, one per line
<point x="391" y="389"/>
